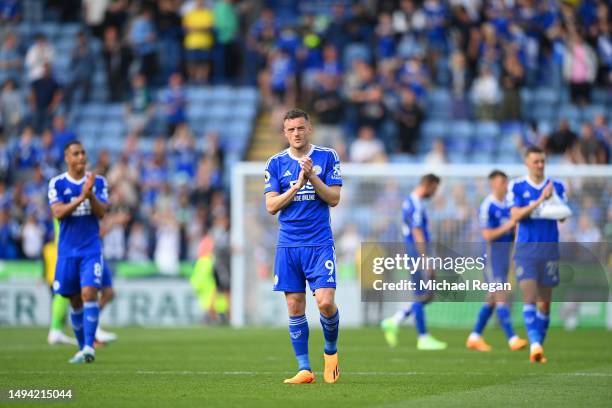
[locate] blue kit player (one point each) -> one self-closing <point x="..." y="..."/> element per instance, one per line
<point x="497" y="229"/>
<point x="536" y="255"/>
<point x="416" y="235"/>
<point x="79" y="199"/>
<point x="301" y="183"/>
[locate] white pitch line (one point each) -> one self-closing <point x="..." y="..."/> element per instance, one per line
<point x="347" y="373"/>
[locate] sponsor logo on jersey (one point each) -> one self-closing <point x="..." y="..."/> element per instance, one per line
<point x="287" y="174"/>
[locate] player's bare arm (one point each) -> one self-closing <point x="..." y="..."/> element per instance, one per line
<point x="524" y="212"/>
<point x="491" y="234"/>
<point x="276" y="202"/>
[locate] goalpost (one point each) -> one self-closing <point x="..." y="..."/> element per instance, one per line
<point x="370" y="210"/>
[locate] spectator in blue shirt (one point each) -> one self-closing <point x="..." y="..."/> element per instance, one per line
<point x="174" y="103"/>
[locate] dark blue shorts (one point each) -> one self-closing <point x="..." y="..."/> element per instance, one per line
<point x="74" y="273"/>
<point x="107" y="276"/>
<point x="294" y="266"/>
<point x="544" y="271"/>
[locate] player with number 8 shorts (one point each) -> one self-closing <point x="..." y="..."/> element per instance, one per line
<point x="301" y="183"/>
<point x="79" y="199"/>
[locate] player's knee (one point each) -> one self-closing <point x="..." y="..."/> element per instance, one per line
<point x="108" y="294"/>
<point x="544" y="307"/>
<point x="327" y="306"/>
<point x="76" y="302"/>
<point x="296" y="307"/>
<point x="89" y="294"/>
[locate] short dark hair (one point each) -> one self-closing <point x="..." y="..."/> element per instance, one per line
<point x="497" y="173"/>
<point x="296" y="113"/>
<point x="430" y="178"/>
<point x="533" y="149"/>
<point x="70" y="143"/>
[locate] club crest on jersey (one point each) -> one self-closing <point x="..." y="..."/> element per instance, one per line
<point x="317" y="169"/>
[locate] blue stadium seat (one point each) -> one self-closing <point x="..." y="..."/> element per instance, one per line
<point x="247" y="94"/>
<point x="197" y="111"/>
<point x="220" y="111"/>
<point x="69" y="30"/>
<point x="602" y="96"/>
<point x="569" y="112"/>
<point x="590" y="112"/>
<point x="545" y="127"/>
<point x="434" y="129"/>
<point x="114" y="111"/>
<point x="93" y="110"/>
<point x="222" y="94"/>
<point x="244" y="111"/>
<point x="463" y="129"/>
<point x="198" y="94"/>
<point x="547" y="96"/>
<point x="457" y="145"/>
<point x="114" y="128"/>
<point x="87" y="128"/>
<point x="482" y="157"/>
<point x="543" y="111"/>
<point x="439" y="103"/>
<point x="487" y="130"/>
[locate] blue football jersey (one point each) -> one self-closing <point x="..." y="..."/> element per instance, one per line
<point x="533" y="229"/>
<point x="414" y="216"/>
<point x="306" y="221"/>
<point x="493" y="214"/>
<point x="80" y="231"/>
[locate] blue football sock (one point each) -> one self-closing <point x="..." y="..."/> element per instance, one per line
<point x="330" y="332"/>
<point x="483" y="317"/>
<point x="91" y="312"/>
<point x="298" y="331"/>
<point x="543" y="321"/>
<point x="531" y="325"/>
<point x="419" y="317"/>
<point x="76" y="318"/>
<point x="503" y="314"/>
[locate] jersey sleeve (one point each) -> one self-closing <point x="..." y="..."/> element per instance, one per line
<point x="271" y="177"/>
<point x="513" y="197"/>
<point x="55" y="195"/>
<point x="560" y="190"/>
<point x="333" y="176"/>
<point x="101" y="189"/>
<point x="413" y="215"/>
<point x="484" y="215"/>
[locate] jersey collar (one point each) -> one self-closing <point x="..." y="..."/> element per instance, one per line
<point x="73" y="181"/>
<point x="312" y="146"/>
<point x="495" y="201"/>
<point x="534" y="185"/>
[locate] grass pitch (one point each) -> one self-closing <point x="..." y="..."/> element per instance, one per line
<point x="220" y="367"/>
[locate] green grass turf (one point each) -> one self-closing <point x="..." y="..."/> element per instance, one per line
<point x="212" y="367"/>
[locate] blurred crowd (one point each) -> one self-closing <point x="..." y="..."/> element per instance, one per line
<point x="366" y="69"/>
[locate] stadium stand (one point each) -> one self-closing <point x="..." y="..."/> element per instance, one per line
<point x="490" y="78"/>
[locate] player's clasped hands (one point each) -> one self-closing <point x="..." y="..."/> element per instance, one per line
<point x="89" y="183"/>
<point x="548" y="190"/>
<point x="306" y="166"/>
